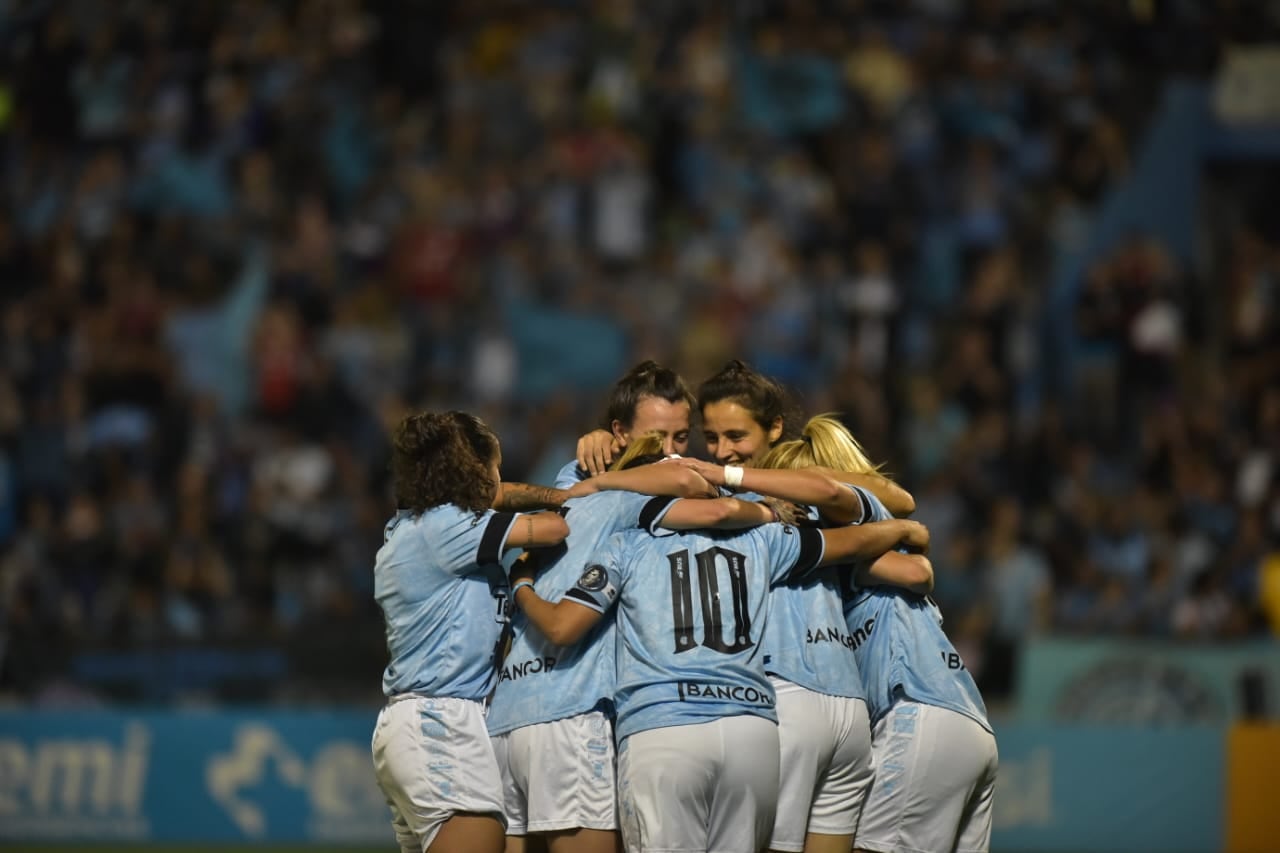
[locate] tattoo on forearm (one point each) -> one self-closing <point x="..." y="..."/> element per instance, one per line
<point x="519" y="497"/>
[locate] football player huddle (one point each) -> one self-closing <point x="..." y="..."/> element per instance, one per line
<point x="733" y="655"/>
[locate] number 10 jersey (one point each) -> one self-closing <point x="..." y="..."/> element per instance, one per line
<point x="691" y="610"/>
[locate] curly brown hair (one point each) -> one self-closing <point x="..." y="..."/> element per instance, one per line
<point x="441" y="459"/>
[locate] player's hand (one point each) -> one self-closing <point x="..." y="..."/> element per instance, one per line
<point x="786" y="511"/>
<point x="915" y="536"/>
<point x="582" y="488"/>
<point x="706" y="489"/>
<point x="709" y="471"/>
<point x="524" y="569"/>
<point x="597" y="450"/>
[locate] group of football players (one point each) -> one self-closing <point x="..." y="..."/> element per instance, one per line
<point x="736" y="654"/>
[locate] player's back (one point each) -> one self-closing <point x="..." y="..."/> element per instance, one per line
<point x="539" y="681"/>
<point x="692" y="609"/>
<point x="439" y="582"/>
<point x="806" y="640"/>
<point x="900" y="645"/>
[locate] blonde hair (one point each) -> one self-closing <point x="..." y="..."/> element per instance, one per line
<point x="649" y="444"/>
<point x="825" y="442"/>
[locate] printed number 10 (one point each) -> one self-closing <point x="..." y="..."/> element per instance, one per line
<point x="709" y="594"/>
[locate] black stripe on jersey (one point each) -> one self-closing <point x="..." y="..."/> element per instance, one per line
<point x="811" y="550"/>
<point x="652" y="510"/>
<point x="582" y="598"/>
<point x="866" y="506"/>
<point x="490" y="550"/>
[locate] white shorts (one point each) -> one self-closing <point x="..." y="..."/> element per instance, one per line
<point x="710" y="787"/>
<point x="825" y="744"/>
<point x="559" y="775"/>
<point x="433" y="759"/>
<point x="935" y="774"/>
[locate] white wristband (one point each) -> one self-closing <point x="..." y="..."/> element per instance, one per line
<point x="733" y="476"/>
<point x="516" y="587"/>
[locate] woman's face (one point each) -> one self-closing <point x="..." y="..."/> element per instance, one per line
<point x="668" y="419"/>
<point x="733" y="436"/>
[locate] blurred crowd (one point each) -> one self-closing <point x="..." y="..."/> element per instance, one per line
<point x="240" y="238"/>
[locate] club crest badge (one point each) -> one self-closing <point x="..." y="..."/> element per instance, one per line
<point x="593" y="579"/>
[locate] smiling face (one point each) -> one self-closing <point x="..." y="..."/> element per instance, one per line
<point x="733" y="435"/>
<point x="668" y="419"/>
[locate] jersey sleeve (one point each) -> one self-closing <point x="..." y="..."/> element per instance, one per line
<point x="618" y="511"/>
<point x="792" y="551"/>
<point x="601" y="581"/>
<point x="466" y="542"/>
<point x="494" y="539"/>
<point x="570" y="475"/>
<point x="872" y="509"/>
<point x="652" y="512"/>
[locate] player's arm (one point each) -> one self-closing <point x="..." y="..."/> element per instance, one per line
<point x="801" y="550"/>
<point x="503" y="531"/>
<point x="895" y="498"/>
<point x="805" y="486"/>
<point x="525" y="497"/>
<point x="659" y="479"/>
<point x="720" y="514"/>
<point x="912" y="572"/>
<point x="536" y="530"/>
<point x="866" y="542"/>
<point x="568" y="620"/>
<point x="597" y="450"/>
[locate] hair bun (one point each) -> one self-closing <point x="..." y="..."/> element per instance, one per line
<point x="645" y="367"/>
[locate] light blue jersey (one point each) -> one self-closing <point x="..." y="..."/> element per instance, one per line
<point x="570" y="475"/>
<point x="540" y="681"/>
<point x="443" y="593"/>
<point x="692" y="609"/>
<point x="903" y="651"/>
<point x="807" y="641"/>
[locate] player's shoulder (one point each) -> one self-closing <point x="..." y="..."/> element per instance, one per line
<point x="432" y="535"/>
<point x="628" y="537"/>
<point x="450" y="523"/>
<point x="569" y="474"/>
<point x="768" y="532"/>
<point x="630" y="541"/>
<point x="606" y="498"/>
<point x="606" y="509"/>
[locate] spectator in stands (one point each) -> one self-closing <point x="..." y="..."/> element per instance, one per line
<point x="239" y="242"/>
